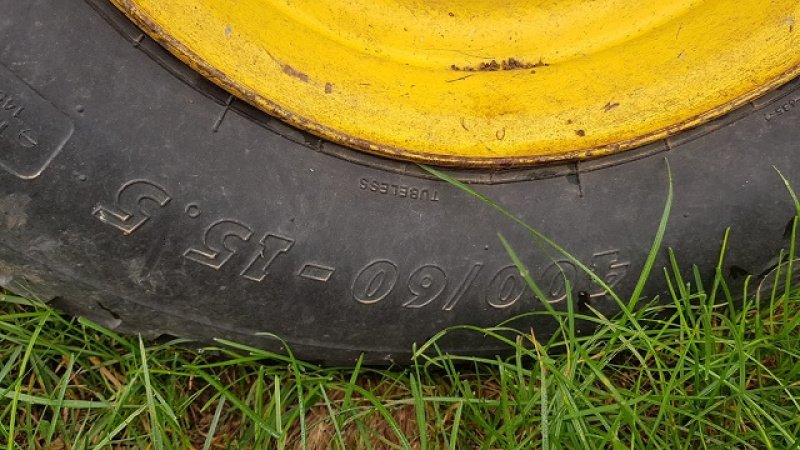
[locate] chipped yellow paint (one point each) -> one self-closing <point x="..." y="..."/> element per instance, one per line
<point x="485" y="83"/>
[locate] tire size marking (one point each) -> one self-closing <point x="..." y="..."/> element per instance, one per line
<point x="316" y="272"/>
<point x="609" y="263"/>
<point x="506" y="288"/>
<point x="428" y="284"/>
<point x="133" y="205"/>
<point x="217" y="248"/>
<point x="398" y="190"/>
<point x="227" y="238"/>
<point x="469" y="278"/>
<point x="272" y="246"/>
<point x="138" y="201"/>
<point x="374" y="282"/>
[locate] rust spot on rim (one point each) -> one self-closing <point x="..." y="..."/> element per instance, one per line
<point x="292" y="72"/>
<point x="506" y="64"/>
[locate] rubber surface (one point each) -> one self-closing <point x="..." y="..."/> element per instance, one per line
<point x="137" y="194"/>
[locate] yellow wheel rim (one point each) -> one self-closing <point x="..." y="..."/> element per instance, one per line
<point x="485" y="83"/>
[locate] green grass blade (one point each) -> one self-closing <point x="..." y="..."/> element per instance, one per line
<point x="212" y="429"/>
<point x="21" y="374"/>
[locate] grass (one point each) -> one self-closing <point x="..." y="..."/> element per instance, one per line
<point x="694" y="370"/>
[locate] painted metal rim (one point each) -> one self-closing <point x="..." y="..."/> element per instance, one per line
<point x="479" y="84"/>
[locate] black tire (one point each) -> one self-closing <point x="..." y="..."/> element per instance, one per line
<point x="148" y="200"/>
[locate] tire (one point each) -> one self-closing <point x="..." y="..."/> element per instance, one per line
<point x="136" y="193"/>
